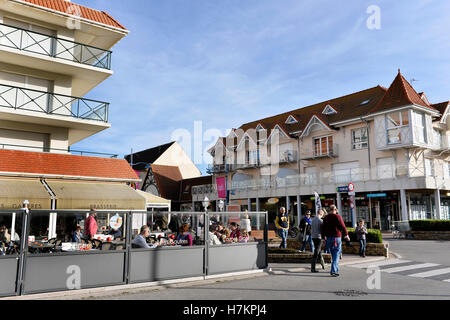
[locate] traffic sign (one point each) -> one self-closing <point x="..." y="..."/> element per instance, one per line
<point x="351" y="193"/>
<point x="352" y="205"/>
<point x="351" y="187"/>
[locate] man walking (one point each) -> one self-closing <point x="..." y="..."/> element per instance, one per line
<point x="282" y="224"/>
<point x="305" y="232"/>
<point x="316" y="225"/>
<point x="332" y="228"/>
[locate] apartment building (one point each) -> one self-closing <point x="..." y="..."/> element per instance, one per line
<point x="53" y="53"/>
<point x="391" y="143"/>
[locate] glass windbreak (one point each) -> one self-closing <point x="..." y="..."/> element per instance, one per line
<point x="10" y="232"/>
<point x="236" y="227"/>
<point x="167" y="229"/>
<point x="54" y="232"/>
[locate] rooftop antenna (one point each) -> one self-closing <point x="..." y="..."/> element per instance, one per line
<point x="412" y="80"/>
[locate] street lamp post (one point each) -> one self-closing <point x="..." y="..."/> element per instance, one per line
<point x="221" y="205"/>
<point x="205" y="204"/>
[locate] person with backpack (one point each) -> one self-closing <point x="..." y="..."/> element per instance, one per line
<point x="282" y="224"/>
<point x="305" y="232"/>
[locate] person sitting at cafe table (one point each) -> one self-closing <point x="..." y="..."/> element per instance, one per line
<point x="141" y="239"/>
<point x="213" y="240"/>
<point x="235" y="232"/>
<point x="77" y="235"/>
<point x="4" y="235"/>
<point x="184" y="238"/>
<point x="221" y="232"/>
<point x="90" y="225"/>
<point x="116" y="233"/>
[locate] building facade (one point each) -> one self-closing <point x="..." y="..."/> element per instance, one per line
<point x="391" y="143"/>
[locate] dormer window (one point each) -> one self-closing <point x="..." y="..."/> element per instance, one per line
<point x="259" y="127"/>
<point x="291" y="120"/>
<point x="329" y="110"/>
<point x="364" y="102"/>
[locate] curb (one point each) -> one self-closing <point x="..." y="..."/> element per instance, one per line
<point x="137" y="287"/>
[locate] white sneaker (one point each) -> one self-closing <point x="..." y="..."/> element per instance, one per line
<point x="300" y="251"/>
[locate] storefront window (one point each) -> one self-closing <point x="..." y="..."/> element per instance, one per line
<point x="164" y="229"/>
<point x="10" y="232"/>
<point x="54" y="232"/>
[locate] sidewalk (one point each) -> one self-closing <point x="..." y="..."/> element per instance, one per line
<point x="273" y="269"/>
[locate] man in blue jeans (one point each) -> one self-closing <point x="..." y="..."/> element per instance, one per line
<point x="305" y="232"/>
<point x="282" y="224"/>
<point x="332" y="228"/>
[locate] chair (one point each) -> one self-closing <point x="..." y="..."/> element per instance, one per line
<point x="97" y="243"/>
<point x="106" y="246"/>
<point x="118" y="247"/>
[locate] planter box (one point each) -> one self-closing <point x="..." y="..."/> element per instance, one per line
<point x="427" y="235"/>
<point x="372" y="249"/>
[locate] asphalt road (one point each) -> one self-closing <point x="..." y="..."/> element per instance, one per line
<point x="299" y="284"/>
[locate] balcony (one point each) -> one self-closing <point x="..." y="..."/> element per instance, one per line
<point x="46" y="103"/>
<point x="316" y="153"/>
<point x="34" y="42"/>
<point x="386" y="177"/>
<point x="56" y="150"/>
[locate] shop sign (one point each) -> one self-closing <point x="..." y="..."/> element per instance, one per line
<point x="342" y="189"/>
<point x="115" y="222"/>
<point x="273" y="200"/>
<point x="376" y="195"/>
<point x="321" y="198"/>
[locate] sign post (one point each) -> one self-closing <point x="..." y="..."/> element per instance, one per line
<point x="351" y="193"/>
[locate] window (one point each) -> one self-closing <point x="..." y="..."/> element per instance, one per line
<point x="437" y="139"/>
<point x="329" y="110"/>
<point x="323" y="146"/>
<point x="395" y="121"/>
<point x="291" y="120"/>
<point x="359" y="139"/>
<point x="419" y="127"/>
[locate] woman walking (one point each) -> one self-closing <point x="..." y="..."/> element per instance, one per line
<point x="361" y="232"/>
<point x="316" y="225"/>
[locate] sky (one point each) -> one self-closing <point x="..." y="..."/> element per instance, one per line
<point x="214" y="65"/>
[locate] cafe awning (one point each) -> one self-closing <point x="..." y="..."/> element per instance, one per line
<point x="14" y="191"/>
<point x="155" y="201"/>
<point x="78" y="195"/>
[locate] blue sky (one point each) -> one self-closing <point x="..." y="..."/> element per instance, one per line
<point x="228" y="62"/>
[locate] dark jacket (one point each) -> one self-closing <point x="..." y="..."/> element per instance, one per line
<point x="303" y="225"/>
<point x="361" y="233"/>
<point x="333" y="226"/>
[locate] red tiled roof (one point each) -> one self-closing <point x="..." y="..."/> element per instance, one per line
<point x="86" y="13"/>
<point x="399" y="94"/>
<point x="13" y="161"/>
<point x="441" y="107"/>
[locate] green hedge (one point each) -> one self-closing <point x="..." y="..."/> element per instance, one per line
<point x="429" y="225"/>
<point x="373" y="236"/>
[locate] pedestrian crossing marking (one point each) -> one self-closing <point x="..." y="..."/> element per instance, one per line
<point x="400" y="266"/>
<point x="379" y="263"/>
<point x="412" y="267"/>
<point x="431" y="273"/>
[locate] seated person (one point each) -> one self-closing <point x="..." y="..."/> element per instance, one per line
<point x="212" y="237"/>
<point x="235" y="232"/>
<point x="116" y="233"/>
<point x="221" y="232"/>
<point x="141" y="239"/>
<point x="184" y="238"/>
<point x="4" y="235"/>
<point x="77" y="235"/>
<point x="244" y="236"/>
